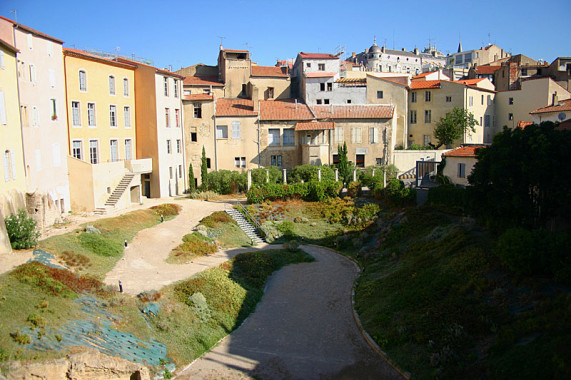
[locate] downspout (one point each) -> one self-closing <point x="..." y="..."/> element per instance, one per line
<point x="184" y="163"/>
<point x="66" y="107"/>
<point x="215" y="147"/>
<point x="259" y="157"/>
<point x="14" y="27"/>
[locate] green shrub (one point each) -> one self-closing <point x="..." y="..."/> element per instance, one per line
<point x="21" y="338"/>
<point x="448" y="195"/>
<point x="37" y="320"/>
<point x="397" y="194"/>
<point x="198" y="303"/>
<point x="309" y="172"/>
<point x="292" y="245"/>
<point x="353" y="189"/>
<point x="227" y="182"/>
<point x="254" y="268"/>
<point x="259" y="176"/>
<point x="286" y="227"/>
<point x="21" y="230"/>
<point x="195" y="244"/>
<point x="167" y="209"/>
<point x="216" y="218"/>
<point x="100" y="245"/>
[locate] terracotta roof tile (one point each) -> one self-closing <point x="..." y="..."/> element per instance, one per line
<point x="284" y="110"/>
<point x="197" y="97"/>
<point x="314" y="125"/>
<point x="319" y="74"/>
<point x="351" y="80"/>
<point x="464" y="151"/>
<point x="420" y="84"/>
<point x="487" y="69"/>
<point x="235" y="107"/>
<point x="563" y="105"/>
<point x="269" y="71"/>
<point x="202" y="81"/>
<point x="523" y="124"/>
<point x="235" y="51"/>
<point x="365" y="111"/>
<point x="564" y="125"/>
<point x="93" y="57"/>
<point x="33" y="31"/>
<point x="469" y="82"/>
<point x="423" y="75"/>
<point x="317" y="56"/>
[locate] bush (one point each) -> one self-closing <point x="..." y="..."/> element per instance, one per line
<point x="195" y="244"/>
<point x="259" y="176"/>
<point x="166" y="209"/>
<point x="310" y="191"/>
<point x="308" y="173"/>
<point x="198" y="303"/>
<point x="216" y="218"/>
<point x="286" y="227"/>
<point x="353" y="189"/>
<point x="448" y="195"/>
<point x="100" y="245"/>
<point x="397" y="194"/>
<point x="227" y="182"/>
<point x="21" y="230"/>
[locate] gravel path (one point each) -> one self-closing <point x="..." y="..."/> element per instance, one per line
<point x="302" y="329"/>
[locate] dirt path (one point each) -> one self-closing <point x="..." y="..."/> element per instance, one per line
<point x="143" y="265"/>
<point x="302" y="329"/>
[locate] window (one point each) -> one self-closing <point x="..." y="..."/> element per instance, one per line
<point x="356" y="135"/>
<point x="325" y="101"/>
<point x="348" y="101"/>
<point x="9" y="165"/>
<point x="208" y="163"/>
<point x="481" y="121"/>
<point x="169" y="148"/>
<point x="180" y="171"/>
<point x="127" y="116"/>
<point x="276" y="161"/>
<point x="33" y="74"/>
<point x="177" y="118"/>
<point x="335" y="159"/>
<point x="53" y="109"/>
<point x="114" y="150"/>
<point x="128" y="149"/>
<point x="448" y="99"/>
<point x="197" y="110"/>
<point x="489" y="99"/>
<point x="413" y="116"/>
<point x="111" y="85"/>
<point x="56" y="155"/>
<point x="178" y="146"/>
<point x="413" y="97"/>
<point x="38" y="155"/>
<point x="175" y="88"/>
<point x="461" y="170"/>
<point x="75" y="114"/>
<point x="308" y="64"/>
<point x="426" y="140"/>
<point x="187" y="92"/>
<point x="30" y="41"/>
<point x="193" y="136"/>
<point x="329" y="86"/>
<point x="76" y="150"/>
<point x="270" y="92"/>
<point x="319" y="101"/>
<point x="524" y="72"/>
<point x="82" y="81"/>
<point x="113" y="116"/>
<point x="91" y="114"/>
<point x="321" y="66"/>
<point x="289" y="137"/>
<point x="2" y="66"/>
<point x="236" y="130"/>
<point x="379" y="160"/>
<point x="273" y="137"/>
<point x="125" y="87"/>
<point x="427" y="96"/>
<point x="427" y="116"/>
<point x="360" y="160"/>
<point x="321" y="86"/>
<point x="379" y="94"/>
<point x="167" y="118"/>
<point x="511" y="101"/>
<point x="240" y="162"/>
<point x="52" y="77"/>
<point x="166" y="85"/>
<point x="471" y="101"/>
<point x="374" y="135"/>
<point x="221" y="131"/>
<point x="510" y="116"/>
<point x="93" y="151"/>
<point x="482" y="100"/>
<point x="170" y="172"/>
<point x="338" y="134"/>
<point x="3" y="117"/>
<point x="35" y="116"/>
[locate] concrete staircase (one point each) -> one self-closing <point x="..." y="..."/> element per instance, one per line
<point x="119" y="190"/>
<point x="246" y="226"/>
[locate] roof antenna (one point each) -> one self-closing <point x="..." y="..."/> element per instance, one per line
<point x="15" y="15"/>
<point x="221" y="38"/>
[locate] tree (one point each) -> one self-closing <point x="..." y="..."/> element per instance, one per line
<point x="519" y="180"/>
<point x="343" y="165"/>
<point x="452" y="126"/>
<point x="191" y="184"/>
<point x="204" y="171"/>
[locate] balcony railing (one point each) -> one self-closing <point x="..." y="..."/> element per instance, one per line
<point x="144" y="165"/>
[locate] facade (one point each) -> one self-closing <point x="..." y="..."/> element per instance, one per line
<point x="460" y="162"/>
<point x="478" y="57"/>
<point x="44" y="131"/>
<point x="557" y="112"/>
<point x="102" y="131"/>
<point x="381" y="59"/>
<point x="160" y="129"/>
<point x="311" y="72"/>
<point x="13" y="179"/>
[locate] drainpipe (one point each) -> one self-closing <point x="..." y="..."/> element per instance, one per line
<point x="215" y="147"/>
<point x="14" y="27"/>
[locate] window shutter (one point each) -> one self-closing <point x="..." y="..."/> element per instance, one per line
<point x="6" y="166"/>
<point x="52" y="78"/>
<point x="13" y="161"/>
<point x="236" y="130"/>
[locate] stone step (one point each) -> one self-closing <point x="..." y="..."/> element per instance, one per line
<point x="246" y="226"/>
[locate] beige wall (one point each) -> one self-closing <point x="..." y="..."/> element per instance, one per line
<point x="374" y="151"/>
<point x="451" y="169"/>
<point x="204" y="129"/>
<point x="291" y="154"/>
<point x="405" y="160"/>
<point x="281" y="87"/>
<point x="228" y="149"/>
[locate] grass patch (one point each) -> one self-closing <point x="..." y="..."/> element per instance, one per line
<point x="193" y="245"/>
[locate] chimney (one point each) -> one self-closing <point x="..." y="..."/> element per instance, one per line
<point x="415" y="51"/>
<point x="555" y="99"/>
<point x="353" y="54"/>
<point x="296" y="104"/>
<point x="383" y="49"/>
<point x="221" y="48"/>
<point x="403" y="49"/>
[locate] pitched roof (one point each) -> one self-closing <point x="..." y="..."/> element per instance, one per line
<point x="85" y="55"/>
<point x="351" y="80"/>
<point x="469" y="82"/>
<point x="284" y="110"/>
<point x="269" y="71"/>
<point x="423" y="75"/>
<point x="314" y="125"/>
<point x="317" y="56"/>
<point x="487" y="69"/>
<point x="364" y="111"/>
<point x="235" y="107"/>
<point x="202" y="81"/>
<point x="564" y="125"/>
<point x="403" y="81"/>
<point x="426" y="84"/>
<point x="197" y="97"/>
<point x="563" y="105"/>
<point x="319" y="74"/>
<point x="33" y="31"/>
<point x="235" y="51"/>
<point x="8" y="46"/>
<point x="464" y="151"/>
<point x="160" y="71"/>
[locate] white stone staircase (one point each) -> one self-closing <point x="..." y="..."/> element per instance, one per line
<point x="119" y="190"/>
<point x="246" y="226"/>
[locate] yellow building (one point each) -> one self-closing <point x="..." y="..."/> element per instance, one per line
<point x="100" y="101"/>
<point x="13" y="180"/>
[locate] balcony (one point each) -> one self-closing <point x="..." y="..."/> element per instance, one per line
<point x="142" y="166"/>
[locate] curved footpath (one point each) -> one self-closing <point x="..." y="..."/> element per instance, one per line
<point x="302" y="329"/>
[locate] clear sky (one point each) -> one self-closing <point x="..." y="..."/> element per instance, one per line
<point x="183" y="33"/>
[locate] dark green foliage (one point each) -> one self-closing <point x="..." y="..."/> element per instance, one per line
<point x="353" y="189"/>
<point x="191" y="183"/>
<point x="100" y="245"/>
<point x="21" y="230"/>
<point x="397" y="194"/>
<point x="419" y="147"/>
<point x="536" y="252"/>
<point x="286" y="227"/>
<point x="311" y="191"/>
<point x="203" y="170"/>
<point x="308" y="173"/>
<point x="344" y="165"/>
<point x="452" y="126"/>
<point x="254" y="268"/>
<point x="521" y="179"/>
<point x="449" y="195"/>
<point x="227" y="182"/>
<point x="259" y="176"/>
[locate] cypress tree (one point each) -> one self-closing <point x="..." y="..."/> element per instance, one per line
<point x="191" y="184"/>
<point x="204" y="171"/>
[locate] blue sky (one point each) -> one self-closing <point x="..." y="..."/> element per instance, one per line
<point x="183" y="33"/>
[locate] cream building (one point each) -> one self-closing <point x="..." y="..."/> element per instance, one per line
<point x="44" y="128"/>
<point x="460" y="162"/>
<point x="13" y="179"/>
<point x="557" y="112"/>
